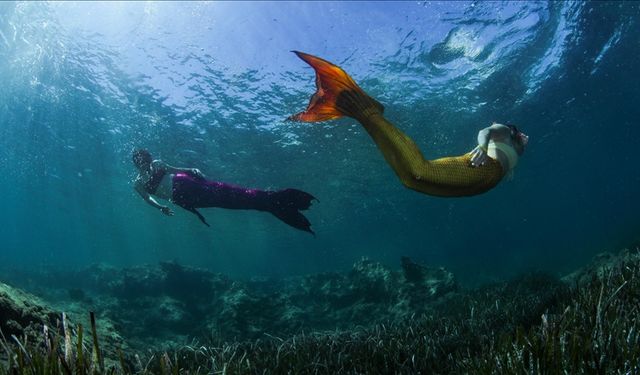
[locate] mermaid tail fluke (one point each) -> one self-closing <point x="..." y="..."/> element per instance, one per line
<point x="336" y="94"/>
<point x="287" y="204"/>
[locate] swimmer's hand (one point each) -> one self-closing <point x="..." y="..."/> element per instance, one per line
<point x="478" y="156"/>
<point x="166" y="210"/>
<point x="195" y="172"/>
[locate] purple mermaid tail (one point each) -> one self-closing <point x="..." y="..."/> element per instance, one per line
<point x="191" y="193"/>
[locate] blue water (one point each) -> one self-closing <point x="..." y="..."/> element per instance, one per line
<point x="209" y="85"/>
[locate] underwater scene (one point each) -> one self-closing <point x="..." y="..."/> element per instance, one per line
<point x="356" y="187"/>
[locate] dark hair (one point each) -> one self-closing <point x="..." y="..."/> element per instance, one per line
<point x="141" y="157"/>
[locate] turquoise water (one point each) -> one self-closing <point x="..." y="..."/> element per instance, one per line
<point x="209" y="85"/>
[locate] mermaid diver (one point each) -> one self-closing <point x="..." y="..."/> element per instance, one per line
<point x="475" y="172"/>
<point x="189" y="189"/>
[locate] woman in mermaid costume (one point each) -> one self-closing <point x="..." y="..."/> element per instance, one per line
<point x="475" y="172"/>
<point x="189" y="189"/>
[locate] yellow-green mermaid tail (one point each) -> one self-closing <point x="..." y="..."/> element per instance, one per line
<point x="338" y="95"/>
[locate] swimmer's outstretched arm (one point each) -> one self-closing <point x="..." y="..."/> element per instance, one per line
<point x="150" y="200"/>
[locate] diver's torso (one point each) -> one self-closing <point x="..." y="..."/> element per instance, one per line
<point x="505" y="153"/>
<point x="164" y="189"/>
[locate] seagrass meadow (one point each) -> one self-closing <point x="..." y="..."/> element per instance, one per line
<point x="584" y="323"/>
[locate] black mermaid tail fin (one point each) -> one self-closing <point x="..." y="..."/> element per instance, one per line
<point x="294" y="218"/>
<point x="292" y="198"/>
<point x="287" y="204"/>
<point x="198" y="214"/>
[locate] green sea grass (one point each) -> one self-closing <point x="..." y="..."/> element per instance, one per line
<point x="532" y="325"/>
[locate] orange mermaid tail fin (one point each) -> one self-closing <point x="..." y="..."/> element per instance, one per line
<point x="336" y="94"/>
